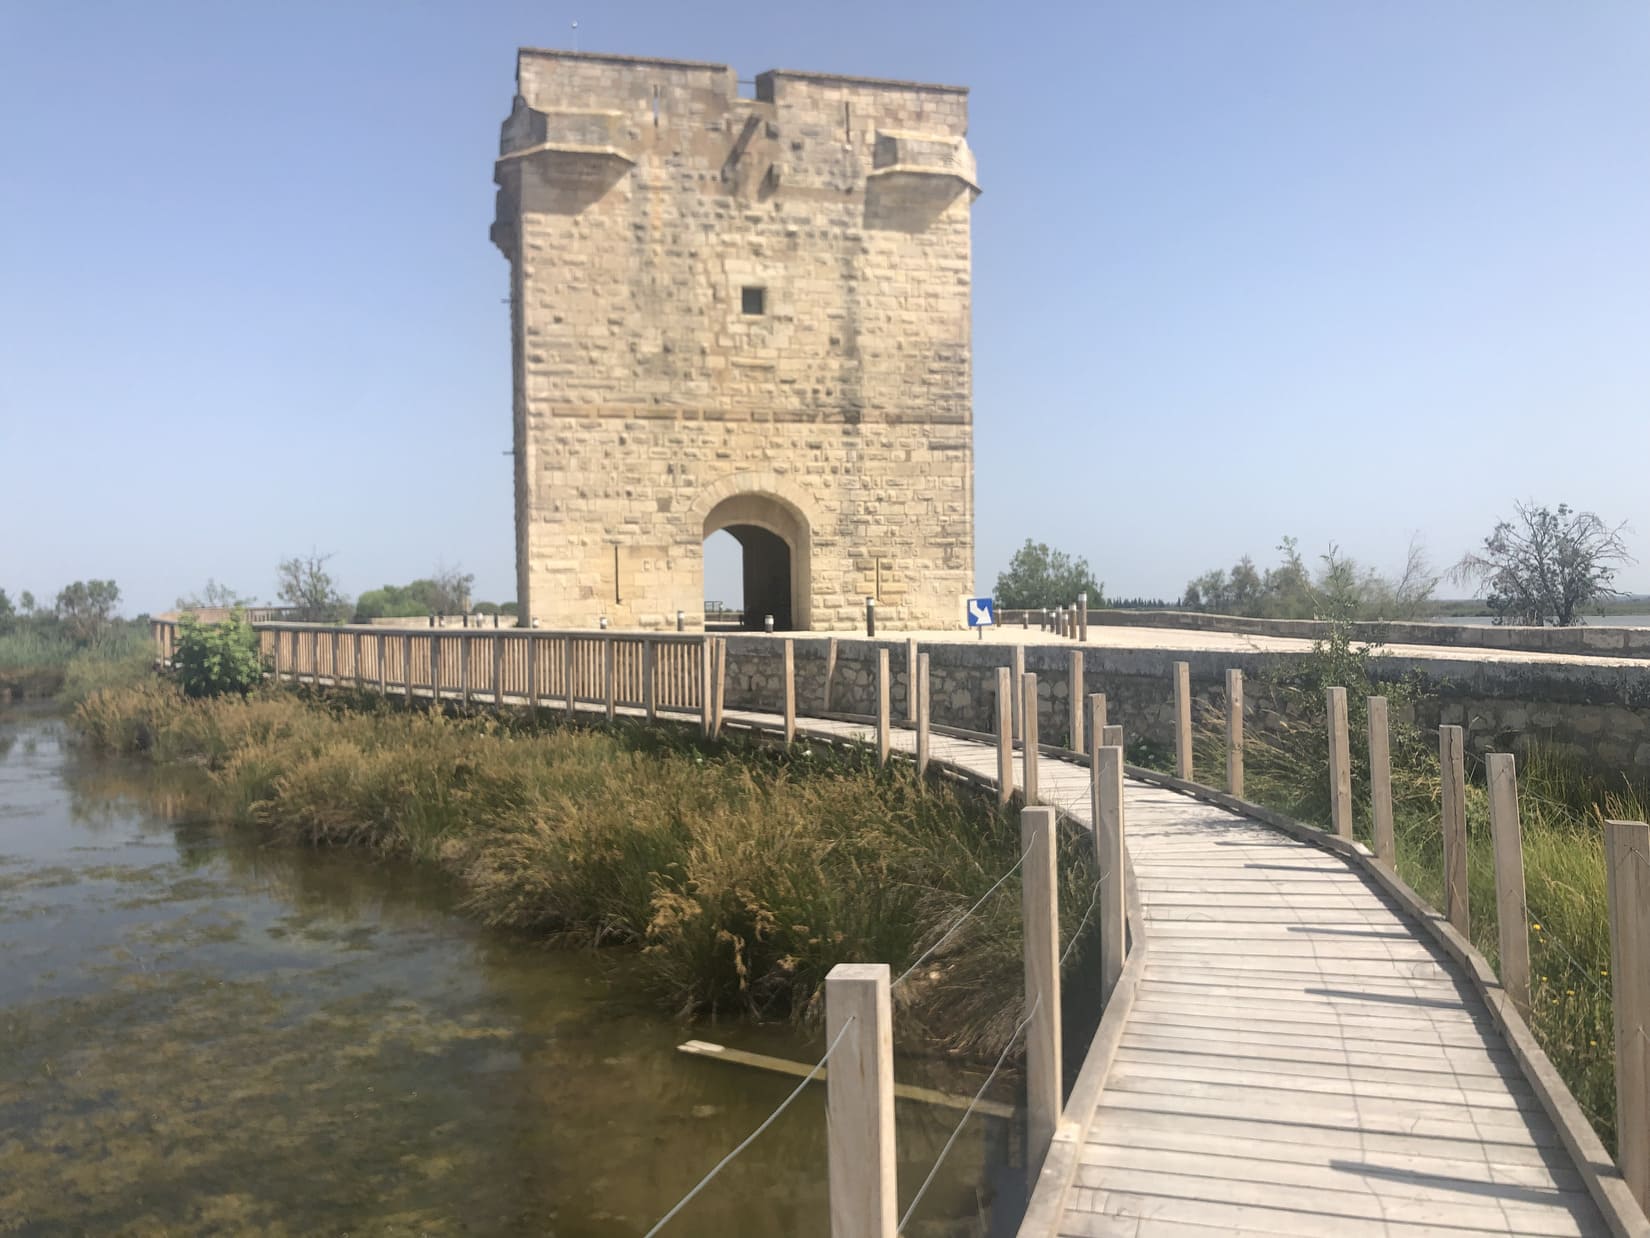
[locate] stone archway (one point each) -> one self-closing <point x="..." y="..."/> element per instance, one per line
<point x="775" y="541"/>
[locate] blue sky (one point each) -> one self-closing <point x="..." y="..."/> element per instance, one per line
<point x="1345" y="271"/>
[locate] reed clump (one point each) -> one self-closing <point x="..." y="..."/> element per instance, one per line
<point x="738" y="874"/>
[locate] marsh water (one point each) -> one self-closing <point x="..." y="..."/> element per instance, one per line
<point x="201" y="1035"/>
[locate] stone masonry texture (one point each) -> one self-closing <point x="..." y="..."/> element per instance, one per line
<point x="737" y="313"/>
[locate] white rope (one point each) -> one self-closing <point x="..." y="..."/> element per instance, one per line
<point x="1084" y="922"/>
<point x="752" y="1137"/>
<point x="957" y="1130"/>
<point x="958" y="922"/>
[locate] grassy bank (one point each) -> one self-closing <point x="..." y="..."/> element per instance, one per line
<point x="1562" y="811"/>
<point x="739" y="874"/>
<point x="45" y="661"/>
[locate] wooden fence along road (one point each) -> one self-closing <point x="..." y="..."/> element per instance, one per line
<point x="1291" y="1044"/>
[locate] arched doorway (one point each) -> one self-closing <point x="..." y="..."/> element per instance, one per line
<point x="774" y="549"/>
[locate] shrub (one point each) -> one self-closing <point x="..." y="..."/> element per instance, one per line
<point x="214" y="659"/>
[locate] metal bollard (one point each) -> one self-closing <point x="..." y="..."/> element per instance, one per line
<point x="767" y="623"/>
<point x="681" y="621"/>
<point x="870" y="616"/>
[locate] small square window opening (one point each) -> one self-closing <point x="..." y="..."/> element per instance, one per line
<point x="753" y="300"/>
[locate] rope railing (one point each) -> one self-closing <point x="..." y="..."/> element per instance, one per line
<point x="979" y="1094"/>
<point x="755" y="1134"/>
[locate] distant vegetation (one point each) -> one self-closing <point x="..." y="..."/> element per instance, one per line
<point x="446" y="592"/>
<point x="307" y="588"/>
<point x="1546" y="566"/>
<point x="1339" y="588"/>
<point x="73" y="646"/>
<point x="1039" y="577"/>
<point x="739" y="874"/>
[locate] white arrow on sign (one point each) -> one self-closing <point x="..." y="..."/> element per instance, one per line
<point x="980" y="614"/>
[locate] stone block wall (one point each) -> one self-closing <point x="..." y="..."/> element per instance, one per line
<point x="737" y="313"/>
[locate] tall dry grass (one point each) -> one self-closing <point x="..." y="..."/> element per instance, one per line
<point x="739" y="874"/>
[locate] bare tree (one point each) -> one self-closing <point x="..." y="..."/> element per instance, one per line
<point x="304" y="584"/>
<point x="213" y="597"/>
<point x="1546" y="565"/>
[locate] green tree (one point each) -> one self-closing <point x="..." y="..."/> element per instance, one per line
<point x="86" y="608"/>
<point x="1546" y="565"/>
<point x="212" y="659"/>
<point x="1038" y="577"/>
<point x="447" y="592"/>
<point x="8" y="613"/>
<point x="25" y="602"/>
<point x="304" y="584"/>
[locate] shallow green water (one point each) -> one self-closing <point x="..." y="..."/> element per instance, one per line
<point x="200" y="1035"/>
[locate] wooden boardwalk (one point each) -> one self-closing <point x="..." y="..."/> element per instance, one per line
<point x="1299" y="1056"/>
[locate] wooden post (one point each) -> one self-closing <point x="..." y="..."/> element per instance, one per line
<point x="721" y="684"/>
<point x="1506" y="837"/>
<point x="1074" y="702"/>
<point x="1627" y="869"/>
<point x="1452" y="764"/>
<point x="1005" y="735"/>
<point x="1380" y="783"/>
<point x="435" y="668"/>
<point x="530" y="654"/>
<point x="1340" y="764"/>
<point x="275" y="666"/>
<point x="707" y="698"/>
<point x="1112" y="737"/>
<point x="1183" y="721"/>
<point x="830" y="671"/>
<point x="1028" y="746"/>
<point x="569" y="668"/>
<point x="609" y="677"/>
<point x="1097" y="718"/>
<point x="464" y="665"/>
<point x="1106" y="807"/>
<point x="790" y="690"/>
<point x="498" y="667"/>
<point x="1018" y="661"/>
<point x="1040" y="909"/>
<point x="1234" y="733"/>
<point x="381" y="642"/>
<point x="883" y="705"/>
<point x="922" y="715"/>
<point x="911" y="680"/>
<point x="859" y="1085"/>
<point x="360" y="676"/>
<point x="406" y="666"/>
<point x="1082" y="622"/>
<point x="650" y="677"/>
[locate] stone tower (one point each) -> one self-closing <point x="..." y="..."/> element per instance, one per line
<point x="736" y="313"/>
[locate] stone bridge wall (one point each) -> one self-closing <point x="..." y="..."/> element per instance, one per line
<point x="1600" y="715"/>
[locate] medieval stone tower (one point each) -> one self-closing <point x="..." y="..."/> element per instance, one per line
<point x="736" y="313"/>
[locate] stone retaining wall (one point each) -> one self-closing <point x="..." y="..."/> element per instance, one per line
<point x="1599" y="714"/>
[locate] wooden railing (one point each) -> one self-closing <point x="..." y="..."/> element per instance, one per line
<point x="655" y="672"/>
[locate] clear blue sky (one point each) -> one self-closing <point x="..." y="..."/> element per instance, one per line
<point x="1347" y="271"/>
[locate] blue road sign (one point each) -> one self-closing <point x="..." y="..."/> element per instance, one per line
<point x="980" y="613"/>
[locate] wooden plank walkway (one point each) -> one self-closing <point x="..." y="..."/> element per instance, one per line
<point x="1299" y="1058"/>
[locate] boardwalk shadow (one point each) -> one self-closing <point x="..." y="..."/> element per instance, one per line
<point x="1554" y="1161"/>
